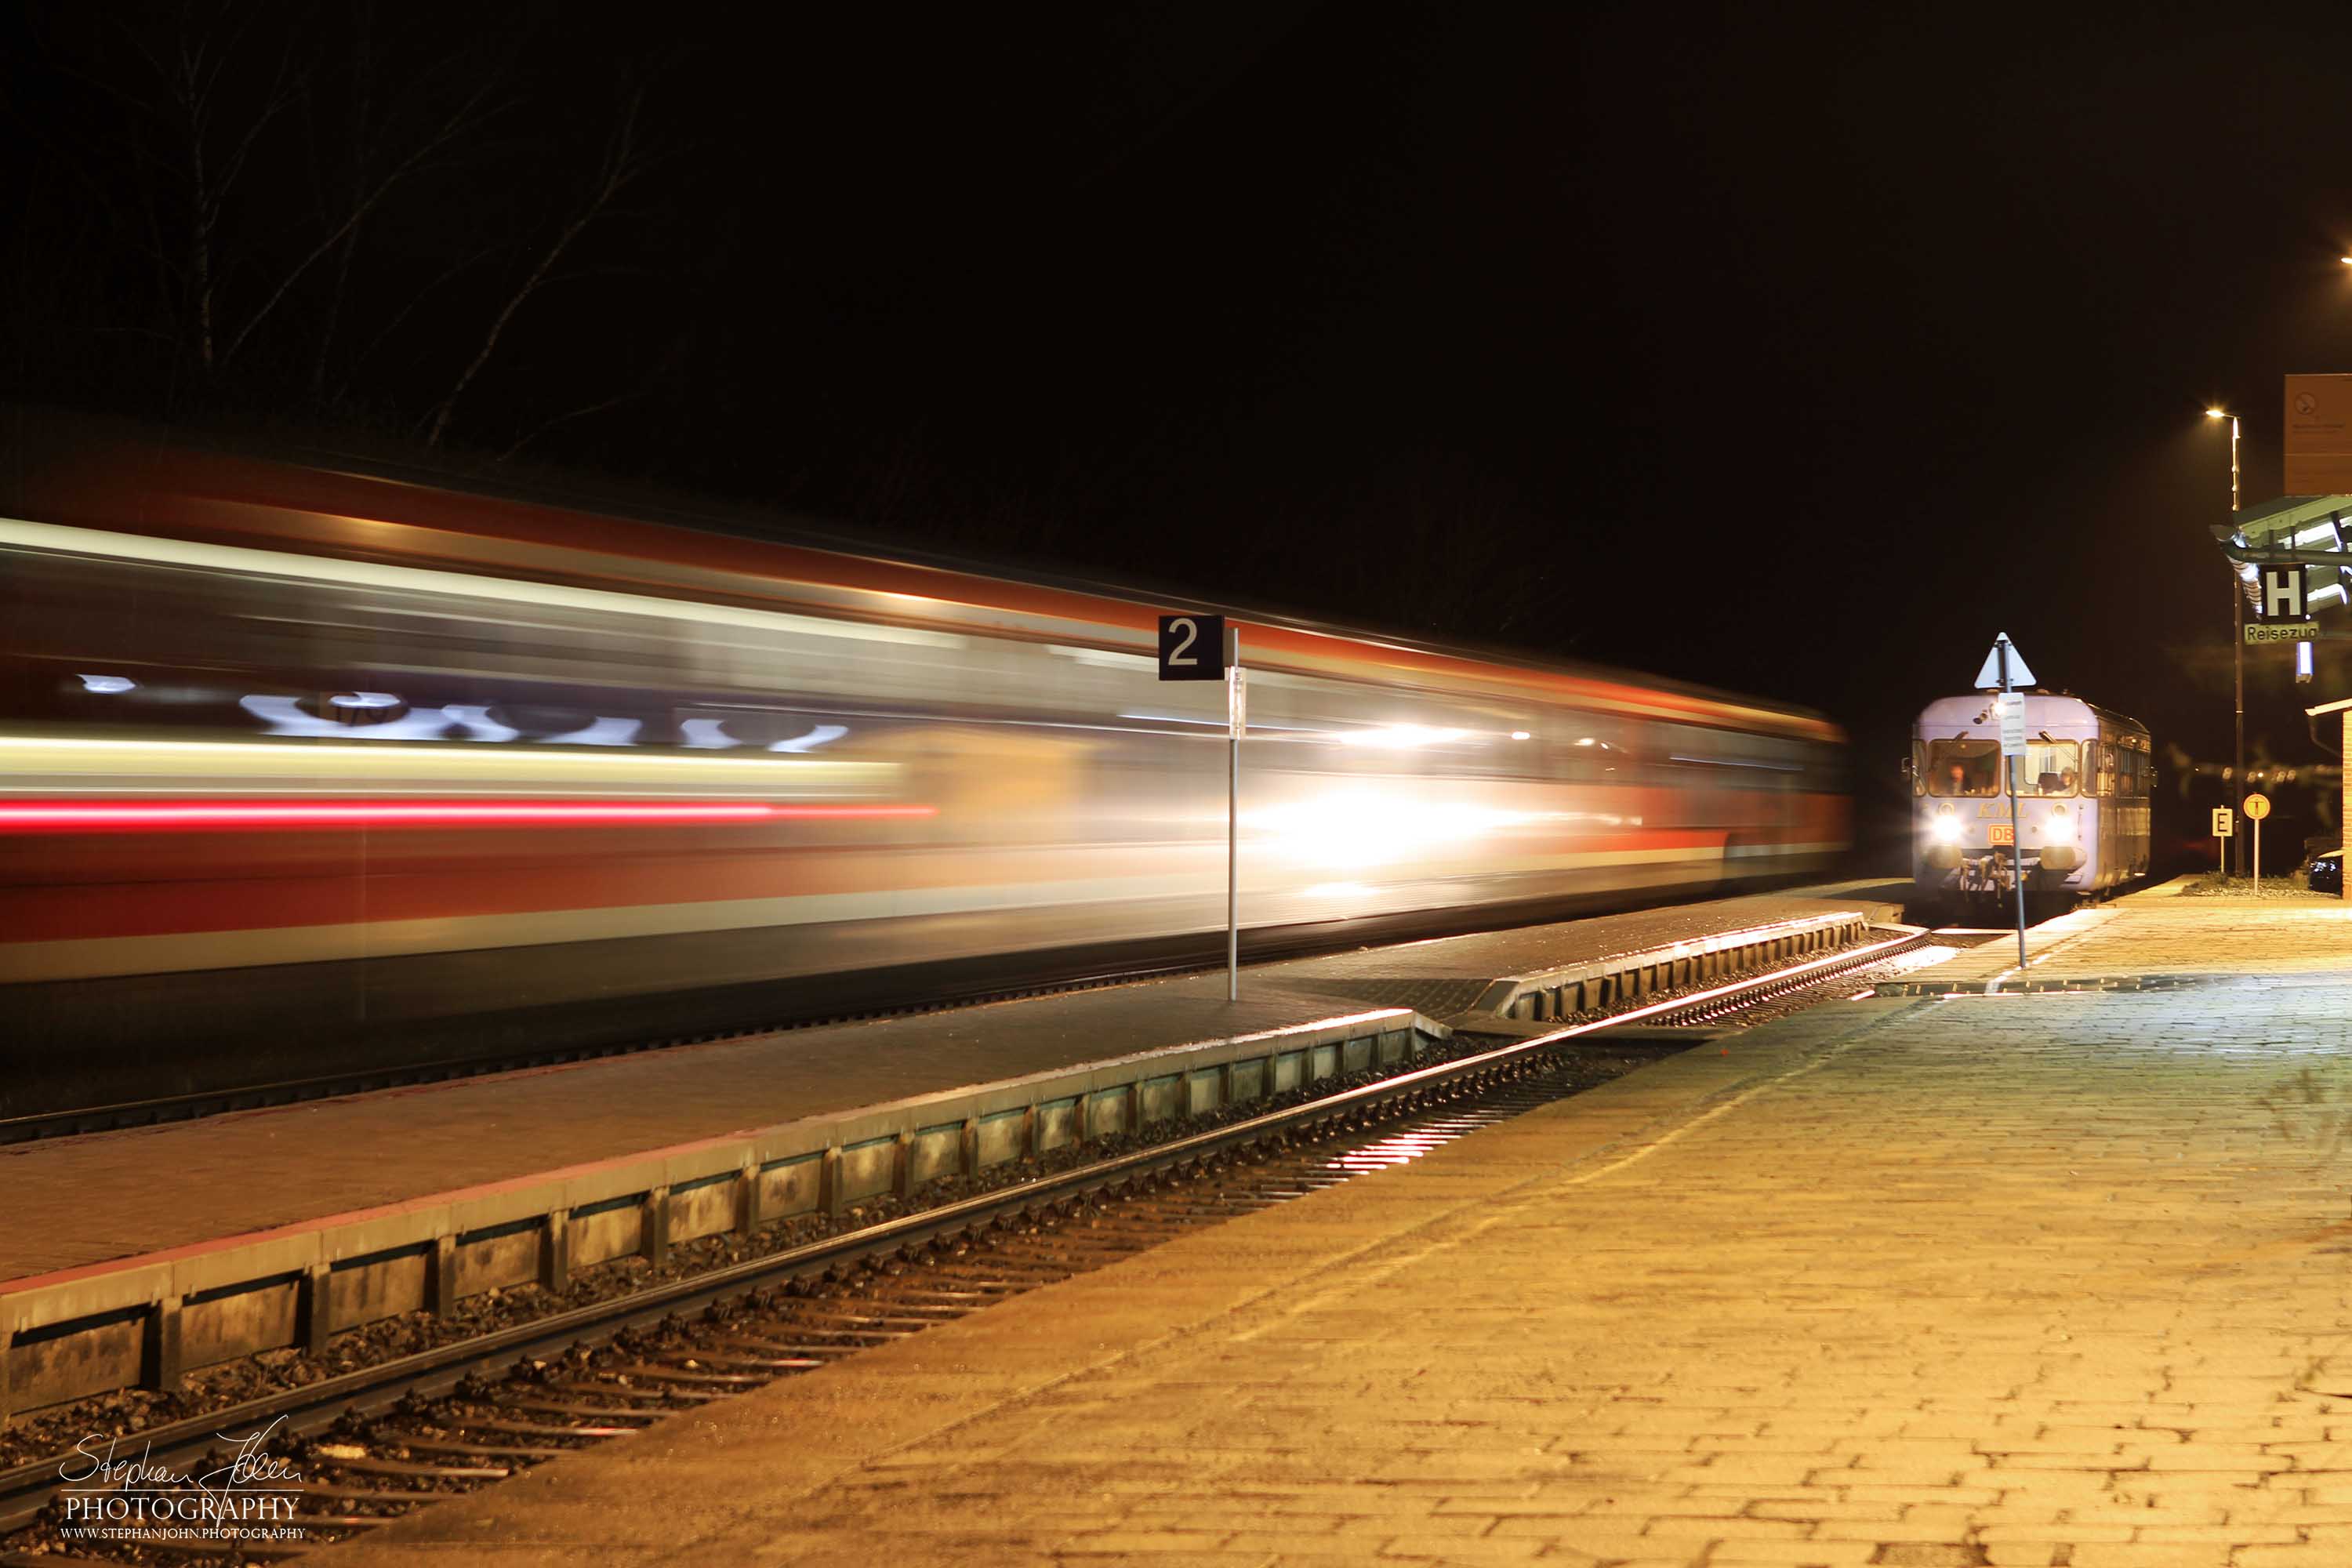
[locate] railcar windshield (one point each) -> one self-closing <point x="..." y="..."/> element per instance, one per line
<point x="1963" y="768"/>
<point x="2050" y="767"/>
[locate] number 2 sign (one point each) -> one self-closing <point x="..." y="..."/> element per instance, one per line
<point x="1191" y="647"/>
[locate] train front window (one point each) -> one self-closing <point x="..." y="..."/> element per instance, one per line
<point x="2050" y="767"/>
<point x="1963" y="768"/>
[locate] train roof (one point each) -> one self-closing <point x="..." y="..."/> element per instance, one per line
<point x="1975" y="709"/>
<point x="99" y="475"/>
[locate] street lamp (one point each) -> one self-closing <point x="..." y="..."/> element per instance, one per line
<point x="2237" y="626"/>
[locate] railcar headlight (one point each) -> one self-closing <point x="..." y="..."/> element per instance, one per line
<point x="2060" y="827"/>
<point x="1945" y="827"/>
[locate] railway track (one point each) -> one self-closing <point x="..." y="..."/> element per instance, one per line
<point x="379" y="1442"/>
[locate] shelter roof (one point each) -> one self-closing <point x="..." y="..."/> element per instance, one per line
<point x="2282" y="524"/>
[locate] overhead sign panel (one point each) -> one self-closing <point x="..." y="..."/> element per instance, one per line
<point x="2318" y="434"/>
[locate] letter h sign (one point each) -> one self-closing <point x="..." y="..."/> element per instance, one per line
<point x="2285" y="592"/>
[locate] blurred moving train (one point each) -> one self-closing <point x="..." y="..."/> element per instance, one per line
<point x="2084" y="787"/>
<point x="307" y="770"/>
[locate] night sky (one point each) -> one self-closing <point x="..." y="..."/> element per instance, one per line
<point x="1795" y="353"/>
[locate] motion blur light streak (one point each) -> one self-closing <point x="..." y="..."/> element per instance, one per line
<point x="602" y="787"/>
<point x="1361" y="830"/>
<point x="145" y="817"/>
<point x="311" y="764"/>
<point x="1402" y="737"/>
<point x="822" y="735"/>
<point x="243" y="561"/>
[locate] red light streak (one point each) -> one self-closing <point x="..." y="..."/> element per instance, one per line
<point x="270" y="815"/>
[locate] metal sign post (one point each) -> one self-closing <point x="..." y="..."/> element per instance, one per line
<point x="2222" y="829"/>
<point x="2006" y="666"/>
<point x="1202" y="648"/>
<point x="2258" y="806"/>
<point x="1236" y="721"/>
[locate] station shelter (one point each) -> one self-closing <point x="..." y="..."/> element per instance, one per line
<point x="2310" y="532"/>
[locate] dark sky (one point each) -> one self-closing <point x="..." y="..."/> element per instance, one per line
<point x="1794" y="350"/>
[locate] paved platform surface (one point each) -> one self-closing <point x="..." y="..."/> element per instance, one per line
<point x="2164" y="931"/>
<point x="79" y="1201"/>
<point x="2052" y="1279"/>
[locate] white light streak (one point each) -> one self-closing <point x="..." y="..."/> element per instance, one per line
<point x="244" y="562"/>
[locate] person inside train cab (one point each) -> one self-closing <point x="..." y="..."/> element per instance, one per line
<point x="1975" y="775"/>
<point x="2065" y="782"/>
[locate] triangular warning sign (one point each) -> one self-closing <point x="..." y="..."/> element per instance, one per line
<point x="1988" y="678"/>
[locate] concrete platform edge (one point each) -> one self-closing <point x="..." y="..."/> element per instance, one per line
<point x="734" y="1181"/>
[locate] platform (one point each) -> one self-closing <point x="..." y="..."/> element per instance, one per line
<point x="298" y="1220"/>
<point x="2046" y="1278"/>
<point x="2161" y="933"/>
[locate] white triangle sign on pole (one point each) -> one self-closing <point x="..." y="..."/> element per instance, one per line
<point x="1988" y="678"/>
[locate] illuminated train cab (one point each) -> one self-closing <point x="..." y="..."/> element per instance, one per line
<point x="2082" y="790"/>
<point x="304" y="771"/>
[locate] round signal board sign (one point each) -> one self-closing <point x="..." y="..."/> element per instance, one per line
<point x="2258" y="806"/>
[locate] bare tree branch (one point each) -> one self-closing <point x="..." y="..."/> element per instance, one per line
<point x="544" y="425"/>
<point x="459" y="121"/>
<point x="359" y="360"/>
<point x="622" y="163"/>
<point x="362" y="83"/>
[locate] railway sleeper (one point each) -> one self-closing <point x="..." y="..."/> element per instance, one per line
<point x="470" y="1450"/>
<point x="374" y="1467"/>
<point x="586" y="1412"/>
<point x="622" y="1391"/>
<point x="513" y="1428"/>
<point x="324" y="1491"/>
<point x="652" y="1372"/>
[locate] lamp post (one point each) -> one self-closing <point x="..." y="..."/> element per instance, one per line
<point x="2237" y="634"/>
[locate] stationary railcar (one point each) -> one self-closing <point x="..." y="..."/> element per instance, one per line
<point x="2083" y="789"/>
<point x="304" y="770"/>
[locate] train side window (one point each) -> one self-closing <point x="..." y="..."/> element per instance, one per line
<point x="1594" y="750"/>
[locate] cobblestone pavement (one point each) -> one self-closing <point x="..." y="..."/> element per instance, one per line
<point x="77" y="1201"/>
<point x="2053" y="1279"/>
<point x="2168" y="933"/>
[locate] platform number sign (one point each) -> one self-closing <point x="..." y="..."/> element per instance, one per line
<point x="2285" y="594"/>
<point x="1191" y="647"/>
